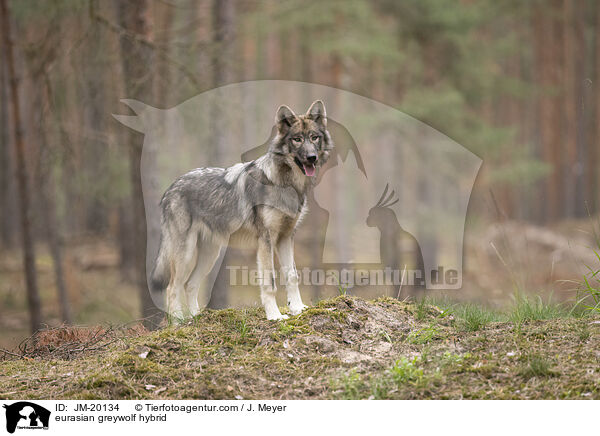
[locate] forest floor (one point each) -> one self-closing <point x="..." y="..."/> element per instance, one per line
<point x="342" y="348"/>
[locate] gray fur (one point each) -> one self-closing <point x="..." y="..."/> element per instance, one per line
<point x="255" y="204"/>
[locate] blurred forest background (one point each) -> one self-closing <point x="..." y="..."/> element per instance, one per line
<point x="514" y="81"/>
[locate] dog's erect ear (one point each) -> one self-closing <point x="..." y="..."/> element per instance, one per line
<point x="316" y="112"/>
<point x="285" y="118"/>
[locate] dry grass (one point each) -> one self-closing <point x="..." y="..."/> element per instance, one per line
<point x="69" y="342"/>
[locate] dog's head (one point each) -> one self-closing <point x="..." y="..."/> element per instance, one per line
<point x="303" y="139"/>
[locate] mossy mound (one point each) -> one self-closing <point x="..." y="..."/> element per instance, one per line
<point x="344" y="347"/>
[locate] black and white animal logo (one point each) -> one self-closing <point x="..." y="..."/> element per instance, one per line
<point x="26" y="415"/>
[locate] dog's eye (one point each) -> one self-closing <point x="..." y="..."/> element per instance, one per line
<point x="314" y="138"/>
<point x="297" y="139"/>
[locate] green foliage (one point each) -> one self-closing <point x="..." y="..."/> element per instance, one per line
<point x="32" y="10"/>
<point x="351" y="385"/>
<point x="285" y="328"/>
<point x="535" y="308"/>
<point x="455" y="360"/>
<point x="589" y="288"/>
<point x="406" y="370"/>
<point x="422" y="336"/>
<point x="451" y="72"/>
<point x="353" y="28"/>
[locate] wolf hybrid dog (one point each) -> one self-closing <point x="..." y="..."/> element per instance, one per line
<point x="257" y="204"/>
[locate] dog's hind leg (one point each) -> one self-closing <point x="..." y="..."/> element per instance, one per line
<point x="208" y="252"/>
<point x="182" y="265"/>
<point x="266" y="278"/>
<point x="285" y="251"/>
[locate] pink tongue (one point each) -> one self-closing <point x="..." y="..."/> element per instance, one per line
<point x="309" y="170"/>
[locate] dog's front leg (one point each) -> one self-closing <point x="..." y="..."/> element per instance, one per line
<point x="266" y="277"/>
<point x="285" y="250"/>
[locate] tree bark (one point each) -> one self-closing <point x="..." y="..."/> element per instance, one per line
<point x="95" y="154"/>
<point x="7" y="225"/>
<point x="223" y="73"/>
<point x="136" y="62"/>
<point x="593" y="177"/>
<point x="224" y="35"/>
<point x="47" y="193"/>
<point x="33" y="298"/>
<point x="548" y="48"/>
<point x="582" y="95"/>
<point x="164" y="15"/>
<point x="570" y="107"/>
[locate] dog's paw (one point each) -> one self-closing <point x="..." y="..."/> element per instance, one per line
<point x="277" y="317"/>
<point x="297" y="310"/>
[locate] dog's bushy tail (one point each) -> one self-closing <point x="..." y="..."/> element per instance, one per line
<point x="161" y="274"/>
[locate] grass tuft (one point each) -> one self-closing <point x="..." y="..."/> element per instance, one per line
<point x="422" y="336"/>
<point x="536" y="366"/>
<point x="534" y="309"/>
<point x="589" y="288"/>
<point x="472" y="318"/>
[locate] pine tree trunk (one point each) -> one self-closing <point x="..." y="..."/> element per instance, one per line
<point x="47" y="194"/>
<point x="164" y="14"/>
<point x="48" y="208"/>
<point x="548" y="50"/>
<point x="95" y="154"/>
<point x="223" y="73"/>
<point x="593" y="178"/>
<point x="136" y="61"/>
<point x="6" y="204"/>
<point x="582" y="96"/>
<point x="570" y="107"/>
<point x="33" y="298"/>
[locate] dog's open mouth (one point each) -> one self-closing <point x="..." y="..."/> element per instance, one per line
<point x="307" y="168"/>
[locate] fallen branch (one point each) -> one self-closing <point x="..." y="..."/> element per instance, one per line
<point x="11" y="353"/>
